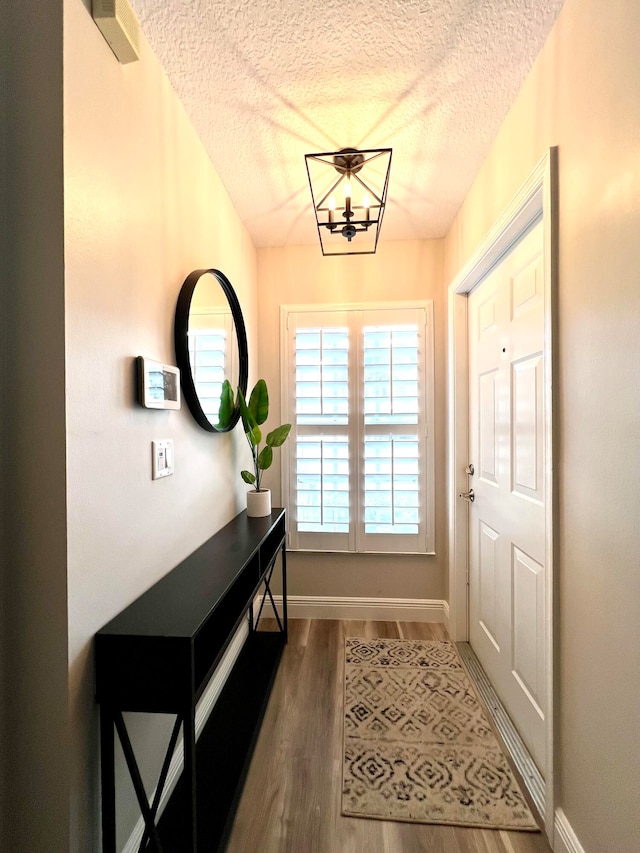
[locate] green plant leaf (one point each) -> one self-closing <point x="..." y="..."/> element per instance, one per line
<point x="266" y="458"/>
<point x="278" y="436"/>
<point x="254" y="436"/>
<point x="226" y="404"/>
<point x="248" y="477"/>
<point x="259" y="402"/>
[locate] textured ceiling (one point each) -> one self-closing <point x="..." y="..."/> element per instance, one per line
<point x="267" y="81"/>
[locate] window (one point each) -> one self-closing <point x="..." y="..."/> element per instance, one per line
<point x="358" y="391"/>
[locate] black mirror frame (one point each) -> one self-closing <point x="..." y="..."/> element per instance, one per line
<point x="181" y="340"/>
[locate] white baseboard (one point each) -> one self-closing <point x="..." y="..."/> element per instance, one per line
<point x="205" y="706"/>
<point x="564" y="838"/>
<point x="379" y="609"/>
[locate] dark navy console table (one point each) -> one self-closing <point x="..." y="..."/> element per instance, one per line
<point x="158" y="656"/>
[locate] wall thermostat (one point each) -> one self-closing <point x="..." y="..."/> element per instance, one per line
<point x="158" y="384"/>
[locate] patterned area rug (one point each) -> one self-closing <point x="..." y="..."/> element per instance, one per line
<point x="417" y="744"/>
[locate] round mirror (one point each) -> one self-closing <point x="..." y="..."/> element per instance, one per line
<point x="211" y="348"/>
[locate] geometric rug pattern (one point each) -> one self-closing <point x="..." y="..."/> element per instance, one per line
<point x="417" y="744"/>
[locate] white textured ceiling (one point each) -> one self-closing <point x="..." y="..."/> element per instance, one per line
<point x="267" y="81"/>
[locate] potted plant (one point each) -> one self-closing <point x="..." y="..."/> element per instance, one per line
<point x="254" y="414"/>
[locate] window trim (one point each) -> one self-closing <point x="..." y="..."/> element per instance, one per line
<point x="286" y="403"/>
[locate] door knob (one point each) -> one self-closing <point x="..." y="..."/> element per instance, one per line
<point x="468" y="496"/>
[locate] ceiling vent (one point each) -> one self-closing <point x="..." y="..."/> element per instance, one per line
<point x="118" y="25"/>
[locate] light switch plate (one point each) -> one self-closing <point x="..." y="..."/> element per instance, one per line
<point x="161" y="459"/>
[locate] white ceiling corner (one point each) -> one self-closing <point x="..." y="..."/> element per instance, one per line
<point x="267" y="82"/>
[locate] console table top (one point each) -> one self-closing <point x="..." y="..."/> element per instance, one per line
<point x="180" y="602"/>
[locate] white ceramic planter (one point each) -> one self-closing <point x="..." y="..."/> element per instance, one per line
<point x="258" y="503"/>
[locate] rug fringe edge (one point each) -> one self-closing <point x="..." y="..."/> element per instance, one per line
<point x="426" y="821"/>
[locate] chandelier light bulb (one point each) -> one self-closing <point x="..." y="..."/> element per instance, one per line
<point x="347" y="202"/>
<point x="332" y="207"/>
<point x="366" y="203"/>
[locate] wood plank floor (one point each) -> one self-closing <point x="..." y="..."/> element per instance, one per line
<point x="291" y="798"/>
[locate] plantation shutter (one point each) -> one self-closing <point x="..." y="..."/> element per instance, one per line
<point x="321" y="444"/>
<point x="360" y="457"/>
<point x="393" y="480"/>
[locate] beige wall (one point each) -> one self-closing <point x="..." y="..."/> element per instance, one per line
<point x="399" y="270"/>
<point x="584" y="96"/>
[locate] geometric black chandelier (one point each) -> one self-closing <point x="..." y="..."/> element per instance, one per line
<point x="349" y="194"/>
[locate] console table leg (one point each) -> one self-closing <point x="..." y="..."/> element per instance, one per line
<point x="107" y="773"/>
<point x="191" y="825"/>
<point x="284" y="593"/>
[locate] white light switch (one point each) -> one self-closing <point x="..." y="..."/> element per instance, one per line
<point x="161" y="459"/>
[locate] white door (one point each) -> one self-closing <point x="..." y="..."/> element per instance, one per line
<point x="507" y="517"/>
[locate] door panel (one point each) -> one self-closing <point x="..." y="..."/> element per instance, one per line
<point x="487" y="316"/>
<point x="487" y="577"/>
<point x="487" y="425"/>
<point x="507" y="519"/>
<point x="526" y="288"/>
<point x="528" y="640"/>
<point x="527" y="434"/>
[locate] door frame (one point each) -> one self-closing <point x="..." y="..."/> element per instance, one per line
<point x="537" y="198"/>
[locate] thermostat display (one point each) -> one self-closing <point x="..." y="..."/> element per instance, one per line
<point x="158" y="384"/>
